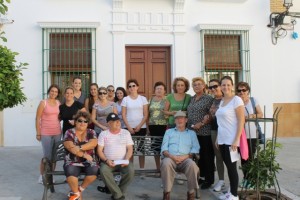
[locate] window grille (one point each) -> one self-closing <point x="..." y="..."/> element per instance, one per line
<point x="225" y="53"/>
<point x="68" y="53"/>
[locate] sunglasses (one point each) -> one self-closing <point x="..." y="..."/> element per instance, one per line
<point x="110" y="90"/>
<point x="102" y="93"/>
<point x="130" y="86"/>
<point x="213" y="87"/>
<point x="82" y="121"/>
<point x="242" y="90"/>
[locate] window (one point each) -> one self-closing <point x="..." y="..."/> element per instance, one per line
<point x="225" y="52"/>
<point x="68" y="53"/>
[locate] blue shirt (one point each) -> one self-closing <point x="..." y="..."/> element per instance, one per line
<point x="180" y="143"/>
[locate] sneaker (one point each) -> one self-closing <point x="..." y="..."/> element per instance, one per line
<point x="74" y="196"/>
<point x="219" y="185"/>
<point x="225" y="196"/>
<point x="233" y="197"/>
<point x="179" y="182"/>
<point x="118" y="179"/>
<point x="40" y="180"/>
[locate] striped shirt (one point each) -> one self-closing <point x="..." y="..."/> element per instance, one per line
<point x="115" y="145"/>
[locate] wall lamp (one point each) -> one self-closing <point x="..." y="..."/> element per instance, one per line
<point x="281" y="22"/>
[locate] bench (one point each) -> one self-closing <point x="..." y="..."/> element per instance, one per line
<point x="150" y="146"/>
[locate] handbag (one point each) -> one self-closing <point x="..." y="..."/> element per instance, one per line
<point x="261" y="135"/>
<point x="244" y="146"/>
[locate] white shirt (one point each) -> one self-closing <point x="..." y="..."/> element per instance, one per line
<point x="115" y="145"/>
<point x="251" y="133"/>
<point x="227" y="120"/>
<point x="134" y="110"/>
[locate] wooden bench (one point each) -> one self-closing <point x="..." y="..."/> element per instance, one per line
<point x="143" y="146"/>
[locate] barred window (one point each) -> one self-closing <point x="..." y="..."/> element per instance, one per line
<point x="225" y="52"/>
<point x="68" y="53"/>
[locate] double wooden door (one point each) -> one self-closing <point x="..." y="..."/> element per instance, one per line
<point x="148" y="65"/>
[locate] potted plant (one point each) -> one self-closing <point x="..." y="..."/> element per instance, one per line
<point x="262" y="171"/>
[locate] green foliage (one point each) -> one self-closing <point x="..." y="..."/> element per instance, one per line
<point x="3" y="7"/>
<point x="262" y="169"/>
<point x="10" y="79"/>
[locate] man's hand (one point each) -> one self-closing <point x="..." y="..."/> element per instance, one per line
<point x="110" y="163"/>
<point x="179" y="159"/>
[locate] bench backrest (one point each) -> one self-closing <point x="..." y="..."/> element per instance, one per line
<point x="143" y="145"/>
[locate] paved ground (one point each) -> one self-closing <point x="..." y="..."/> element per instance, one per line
<point x="19" y="174"/>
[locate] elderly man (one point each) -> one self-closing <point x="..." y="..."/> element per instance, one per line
<point x="115" y="147"/>
<point x="178" y="147"/>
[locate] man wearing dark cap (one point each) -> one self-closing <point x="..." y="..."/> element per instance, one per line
<point x="115" y="147"/>
<point x="178" y="146"/>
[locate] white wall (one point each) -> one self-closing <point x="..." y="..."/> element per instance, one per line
<point x="274" y="69"/>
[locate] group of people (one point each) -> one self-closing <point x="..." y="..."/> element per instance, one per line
<point x="212" y="119"/>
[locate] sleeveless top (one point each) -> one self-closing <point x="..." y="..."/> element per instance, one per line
<point x="101" y="114"/>
<point x="156" y="115"/>
<point x="50" y="124"/>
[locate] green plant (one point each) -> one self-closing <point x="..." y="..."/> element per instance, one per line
<point x="10" y="81"/>
<point x="262" y="169"/>
<point x="3" y="7"/>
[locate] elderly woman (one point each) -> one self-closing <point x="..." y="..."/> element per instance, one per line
<point x="157" y="120"/>
<point x="178" y="100"/>
<point x="197" y="110"/>
<point x="231" y="121"/>
<point x="243" y="91"/>
<point x="80" y="143"/>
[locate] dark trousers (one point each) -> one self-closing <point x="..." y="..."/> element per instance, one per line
<point x="206" y="162"/>
<point x="252" y="149"/>
<point x="231" y="168"/>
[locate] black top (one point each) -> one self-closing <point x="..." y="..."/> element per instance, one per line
<point x="66" y="113"/>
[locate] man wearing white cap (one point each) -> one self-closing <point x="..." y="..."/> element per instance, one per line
<point x="115" y="148"/>
<point x="178" y="147"/>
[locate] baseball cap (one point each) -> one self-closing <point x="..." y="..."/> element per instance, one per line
<point x="112" y="117"/>
<point x="180" y="114"/>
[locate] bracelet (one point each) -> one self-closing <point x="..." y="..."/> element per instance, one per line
<point x="105" y="160"/>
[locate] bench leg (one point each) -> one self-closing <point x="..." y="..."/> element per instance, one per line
<point x="197" y="193"/>
<point x="45" y="192"/>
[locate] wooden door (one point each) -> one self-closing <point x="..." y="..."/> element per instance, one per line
<point x="148" y="65"/>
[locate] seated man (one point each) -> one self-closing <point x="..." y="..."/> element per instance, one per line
<point x="115" y="144"/>
<point x="178" y="147"/>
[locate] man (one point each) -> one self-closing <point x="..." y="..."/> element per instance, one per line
<point x="178" y="147"/>
<point x="114" y="145"/>
<point x="111" y="93"/>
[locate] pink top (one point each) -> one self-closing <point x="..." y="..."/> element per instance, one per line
<point x="50" y="124"/>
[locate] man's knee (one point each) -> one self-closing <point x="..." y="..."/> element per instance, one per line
<point x="166" y="163"/>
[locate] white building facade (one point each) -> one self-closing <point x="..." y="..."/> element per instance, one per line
<point x="119" y="28"/>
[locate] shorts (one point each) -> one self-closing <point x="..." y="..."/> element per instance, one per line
<point x="46" y="141"/>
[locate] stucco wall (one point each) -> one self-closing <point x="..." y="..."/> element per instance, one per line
<point x="274" y="69"/>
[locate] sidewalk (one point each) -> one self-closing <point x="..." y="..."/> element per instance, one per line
<point x="19" y="174"/>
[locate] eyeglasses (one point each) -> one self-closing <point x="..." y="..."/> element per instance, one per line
<point x="102" y="93"/>
<point x="242" y="90"/>
<point x="213" y="87"/>
<point x="130" y="86"/>
<point x="82" y="121"/>
<point x="110" y="90"/>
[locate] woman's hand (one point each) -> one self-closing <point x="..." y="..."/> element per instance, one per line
<point x="234" y="146"/>
<point x="137" y="129"/>
<point x="38" y="137"/>
<point x="88" y="157"/>
<point x="71" y="122"/>
<point x="131" y="130"/>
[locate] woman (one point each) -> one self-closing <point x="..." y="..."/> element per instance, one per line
<point x="179" y="100"/>
<point x="100" y="111"/>
<point x="78" y="94"/>
<point x="135" y="113"/>
<point x="69" y="109"/>
<point x="120" y="94"/>
<point x="111" y="93"/>
<point x="80" y="143"/>
<point x="157" y="120"/>
<point x="197" y="110"/>
<point x="91" y="100"/>
<point x="47" y="124"/>
<point x="215" y="90"/>
<point x="243" y="91"/>
<point x="231" y="121"/>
